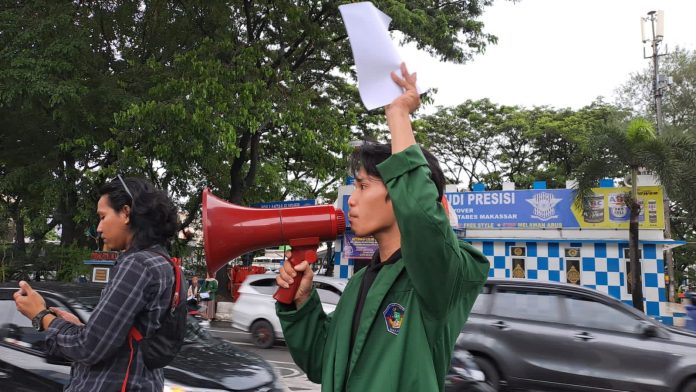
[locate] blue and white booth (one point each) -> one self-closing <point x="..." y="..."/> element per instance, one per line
<point x="543" y="234"/>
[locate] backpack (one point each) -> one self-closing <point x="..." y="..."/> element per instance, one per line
<point x="161" y="348"/>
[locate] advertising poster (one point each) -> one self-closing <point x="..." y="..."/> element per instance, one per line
<point x="358" y="247"/>
<point x="555" y="208"/>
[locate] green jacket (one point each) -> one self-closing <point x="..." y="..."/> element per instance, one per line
<point x="414" y="310"/>
<point x="210" y="287"/>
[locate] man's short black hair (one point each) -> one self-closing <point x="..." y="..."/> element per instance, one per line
<point x="153" y="217"/>
<point x="369" y="155"/>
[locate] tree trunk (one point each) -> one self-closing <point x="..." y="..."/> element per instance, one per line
<point x="68" y="203"/>
<point x="636" y="271"/>
<point x="19" y="244"/>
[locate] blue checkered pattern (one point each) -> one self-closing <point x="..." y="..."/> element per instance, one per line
<point x="602" y="266"/>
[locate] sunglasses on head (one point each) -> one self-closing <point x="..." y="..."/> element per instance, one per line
<point x="125" y="187"/>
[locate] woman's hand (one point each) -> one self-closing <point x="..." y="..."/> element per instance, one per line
<point x="28" y="301"/>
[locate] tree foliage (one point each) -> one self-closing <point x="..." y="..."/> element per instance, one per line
<point x="255" y="99"/>
<point x="479" y="141"/>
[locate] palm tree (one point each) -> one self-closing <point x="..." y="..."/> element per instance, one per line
<point x="617" y="151"/>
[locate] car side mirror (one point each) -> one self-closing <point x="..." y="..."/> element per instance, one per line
<point x="648" y="330"/>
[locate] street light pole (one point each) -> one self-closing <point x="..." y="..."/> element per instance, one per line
<point x="656" y="19"/>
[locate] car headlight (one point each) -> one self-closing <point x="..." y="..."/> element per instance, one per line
<point x="170" y="387"/>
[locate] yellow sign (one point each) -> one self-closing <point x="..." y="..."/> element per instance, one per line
<point x="606" y="208"/>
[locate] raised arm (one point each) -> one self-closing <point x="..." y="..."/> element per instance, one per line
<point x="399" y="111"/>
<point x="440" y="268"/>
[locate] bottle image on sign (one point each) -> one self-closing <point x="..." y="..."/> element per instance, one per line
<point x="593" y="211"/>
<point x="618" y="210"/>
<point x="652" y="211"/>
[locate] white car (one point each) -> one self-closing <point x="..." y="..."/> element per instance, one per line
<point x="254" y="310"/>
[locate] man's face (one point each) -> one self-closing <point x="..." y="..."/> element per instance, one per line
<point x="194" y="280"/>
<point x="371" y="211"/>
<point x="113" y="226"/>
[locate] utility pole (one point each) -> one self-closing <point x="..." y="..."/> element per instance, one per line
<point x="660" y="82"/>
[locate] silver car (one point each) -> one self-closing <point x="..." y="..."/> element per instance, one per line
<point x="560" y="337"/>
<point x="254" y="310"/>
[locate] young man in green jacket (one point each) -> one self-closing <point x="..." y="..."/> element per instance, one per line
<point x="396" y="323"/>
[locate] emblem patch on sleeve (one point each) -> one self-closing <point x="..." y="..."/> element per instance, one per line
<point x="394" y="317"/>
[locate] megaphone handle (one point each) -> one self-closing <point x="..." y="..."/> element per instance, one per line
<point x="299" y="254"/>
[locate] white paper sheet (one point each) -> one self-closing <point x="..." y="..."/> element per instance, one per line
<point x="374" y="52"/>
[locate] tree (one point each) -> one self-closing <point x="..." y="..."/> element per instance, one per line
<point x="479" y="141"/>
<point x="463" y="139"/>
<point x="56" y="108"/>
<point x="620" y="149"/>
<point x="678" y="98"/>
<point x="683" y="227"/>
<point x="267" y="80"/>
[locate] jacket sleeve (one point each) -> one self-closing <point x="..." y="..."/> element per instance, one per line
<point x="108" y="326"/>
<point x="440" y="269"/>
<point x="305" y="330"/>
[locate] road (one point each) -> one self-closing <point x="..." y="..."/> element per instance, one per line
<point x="278" y="356"/>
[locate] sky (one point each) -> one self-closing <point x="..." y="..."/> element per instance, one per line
<point x="558" y="53"/>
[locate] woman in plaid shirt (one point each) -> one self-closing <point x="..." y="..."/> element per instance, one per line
<point x="139" y="220"/>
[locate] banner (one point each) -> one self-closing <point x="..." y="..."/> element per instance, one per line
<point x="359" y="247"/>
<point x="285" y="204"/>
<point x="554" y="208"/>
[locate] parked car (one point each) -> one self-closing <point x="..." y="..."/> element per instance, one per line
<point x="205" y="363"/>
<point x="550" y="336"/>
<point x="254" y="310"/>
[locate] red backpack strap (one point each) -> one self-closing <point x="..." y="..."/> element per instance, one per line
<point x="133" y="334"/>
<point x="177" y="286"/>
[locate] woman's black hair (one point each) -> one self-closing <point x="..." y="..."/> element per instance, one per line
<point x="369" y="155"/>
<point x="153" y="216"/>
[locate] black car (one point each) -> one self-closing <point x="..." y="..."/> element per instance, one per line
<point x="548" y="336"/>
<point x="205" y="363"/>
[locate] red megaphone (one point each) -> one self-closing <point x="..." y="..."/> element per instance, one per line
<point x="230" y="231"/>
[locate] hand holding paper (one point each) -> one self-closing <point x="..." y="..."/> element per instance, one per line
<point x="374" y="52"/>
<point x="409" y="101"/>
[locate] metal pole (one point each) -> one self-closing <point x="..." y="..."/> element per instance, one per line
<point x="656" y="66"/>
<point x="657" y="89"/>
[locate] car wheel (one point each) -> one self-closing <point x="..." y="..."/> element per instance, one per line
<point x="262" y="333"/>
<point x="491" y="372"/>
<point x="690" y="386"/>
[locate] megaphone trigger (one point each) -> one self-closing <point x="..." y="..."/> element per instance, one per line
<point x="303" y="249"/>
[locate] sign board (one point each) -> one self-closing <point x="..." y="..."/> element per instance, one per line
<point x="100" y="275"/>
<point x="285" y="204"/>
<point x="555" y="208"/>
<point x="358" y="247"/>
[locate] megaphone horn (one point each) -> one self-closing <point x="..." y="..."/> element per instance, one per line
<point x="230" y="231"/>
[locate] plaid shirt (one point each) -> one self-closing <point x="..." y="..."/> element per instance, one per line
<point x="138" y="294"/>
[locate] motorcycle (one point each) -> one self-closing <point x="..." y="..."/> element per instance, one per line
<point x="465" y="375"/>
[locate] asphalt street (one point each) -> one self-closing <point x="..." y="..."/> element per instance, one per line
<point x="278" y="356"/>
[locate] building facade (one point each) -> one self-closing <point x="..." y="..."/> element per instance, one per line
<point x="543" y="234"/>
